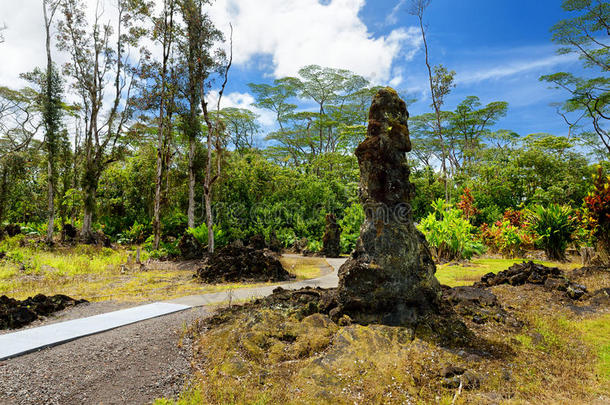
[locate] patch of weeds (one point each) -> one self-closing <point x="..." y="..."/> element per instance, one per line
<point x="596" y="333"/>
<point x="191" y="396"/>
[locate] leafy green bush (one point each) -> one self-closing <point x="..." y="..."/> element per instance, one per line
<point x="174" y="224"/>
<point x="314" y="246"/>
<point x="350" y="224"/>
<point x="201" y="234"/>
<point x="166" y="249"/>
<point x="138" y="233"/>
<point x="554" y="225"/>
<point x="450" y="235"/>
<point x="286" y="237"/>
<point x="34" y="229"/>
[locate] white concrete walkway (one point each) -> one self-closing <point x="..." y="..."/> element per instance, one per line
<point x="29" y="340"/>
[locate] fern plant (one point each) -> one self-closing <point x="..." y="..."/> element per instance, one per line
<point x="555" y="225"/>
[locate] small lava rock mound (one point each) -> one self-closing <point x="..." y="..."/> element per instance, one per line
<point x="190" y="248"/>
<point x="453" y="377"/>
<point x="69" y="233"/>
<point x="12" y="230"/>
<point x="478" y="304"/>
<point x="15" y="314"/>
<point x="589" y="271"/>
<point x="601" y="297"/>
<point x="236" y="263"/>
<point x="531" y="273"/>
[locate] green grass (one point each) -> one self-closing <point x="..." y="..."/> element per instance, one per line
<point x="304" y="267"/>
<point x="596" y="333"/>
<point x="470" y="272"/>
<point x="95" y="274"/>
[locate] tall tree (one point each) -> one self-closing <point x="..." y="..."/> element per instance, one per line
<point x="18" y="119"/>
<point x="99" y="61"/>
<point x="199" y="37"/>
<point x="469" y="126"/>
<point x="586" y="34"/>
<point x="215" y="130"/>
<point x="204" y="64"/>
<point x="164" y="33"/>
<point x="441" y="82"/>
<point x="52" y="113"/>
<point x="241" y="127"/>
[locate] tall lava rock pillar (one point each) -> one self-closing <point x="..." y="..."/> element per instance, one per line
<point x="389" y="278"/>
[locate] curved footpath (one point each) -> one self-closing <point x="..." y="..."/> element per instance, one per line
<point x="123" y="356"/>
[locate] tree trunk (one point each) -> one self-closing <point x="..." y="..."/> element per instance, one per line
<point x="209" y="220"/>
<point x="50" y="135"/>
<point x="437" y="111"/>
<point x="191" y="207"/>
<point x="3" y="191"/>
<point x="51" y="222"/>
<point x="159" y="174"/>
<point x="90" y="181"/>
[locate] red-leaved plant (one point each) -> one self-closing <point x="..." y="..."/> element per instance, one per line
<point x="597" y="214"/>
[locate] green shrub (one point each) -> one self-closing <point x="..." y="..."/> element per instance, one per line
<point x="350" y="224"/>
<point x="166" y="249"/>
<point x="286" y="237"/>
<point x="174" y="224"/>
<point x="201" y="234"/>
<point x="450" y="235"/>
<point x="34" y="229"/>
<point x="314" y="246"/>
<point x="554" y="225"/>
<point x="138" y="233"/>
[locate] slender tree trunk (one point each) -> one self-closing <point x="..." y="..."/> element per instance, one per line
<point x="3" y="191"/>
<point x="168" y="18"/>
<point x="50" y="135"/>
<point x="90" y="193"/>
<point x="439" y="128"/>
<point x="191" y="207"/>
<point x="158" y="183"/>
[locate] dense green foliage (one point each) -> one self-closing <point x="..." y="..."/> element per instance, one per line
<point x="281" y="180"/>
<point x="554" y="224"/>
<point x="449" y="233"/>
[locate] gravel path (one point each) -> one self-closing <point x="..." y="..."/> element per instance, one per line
<point x="131" y="365"/>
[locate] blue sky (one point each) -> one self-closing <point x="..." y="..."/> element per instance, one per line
<point x="498" y="48"/>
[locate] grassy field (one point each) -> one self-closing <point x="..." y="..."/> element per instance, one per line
<point x="99" y="274"/>
<point x="466" y="273"/>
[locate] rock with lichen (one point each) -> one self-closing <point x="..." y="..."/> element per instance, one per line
<point x="331" y="241"/>
<point x="390" y="276"/>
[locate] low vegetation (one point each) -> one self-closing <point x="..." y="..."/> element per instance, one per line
<point x="98" y="274"/>
<point x="268" y="353"/>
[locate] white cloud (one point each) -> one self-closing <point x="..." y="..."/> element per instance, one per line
<point x="292" y="33"/>
<point x="475" y="75"/>
<point x="302" y="32"/>
<point x="242" y="100"/>
<point x="392" y="18"/>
